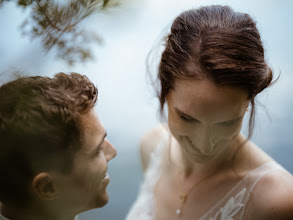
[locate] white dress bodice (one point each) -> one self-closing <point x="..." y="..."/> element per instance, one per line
<point x="229" y="207"/>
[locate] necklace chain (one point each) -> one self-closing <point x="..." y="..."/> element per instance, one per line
<point x="183" y="196"/>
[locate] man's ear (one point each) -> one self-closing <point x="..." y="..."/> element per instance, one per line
<point x="44" y="186"/>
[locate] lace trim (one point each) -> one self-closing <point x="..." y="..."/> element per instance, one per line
<point x="231" y="208"/>
<point x="144" y="206"/>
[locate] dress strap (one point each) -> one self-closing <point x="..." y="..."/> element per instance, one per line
<point x="232" y="205"/>
<point x="255" y="175"/>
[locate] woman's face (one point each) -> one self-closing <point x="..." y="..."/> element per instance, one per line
<point x="204" y="117"/>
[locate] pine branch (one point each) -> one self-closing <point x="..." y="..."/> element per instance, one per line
<point x="58" y="26"/>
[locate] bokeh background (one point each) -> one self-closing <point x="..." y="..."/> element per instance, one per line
<point x="127" y="104"/>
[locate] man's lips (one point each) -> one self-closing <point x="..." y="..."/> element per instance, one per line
<point x="106" y="176"/>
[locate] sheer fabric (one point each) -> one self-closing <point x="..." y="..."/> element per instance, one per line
<point x="229" y="207"/>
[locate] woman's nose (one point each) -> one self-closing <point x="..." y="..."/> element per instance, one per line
<point x="109" y="151"/>
<point x="204" y="141"/>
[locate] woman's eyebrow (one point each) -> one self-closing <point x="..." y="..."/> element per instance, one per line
<point x="188" y="116"/>
<point x="184" y="114"/>
<point x="235" y="119"/>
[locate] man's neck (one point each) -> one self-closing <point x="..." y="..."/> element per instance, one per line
<point x="20" y="214"/>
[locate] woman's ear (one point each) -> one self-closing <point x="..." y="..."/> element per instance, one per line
<point x="44" y="186"/>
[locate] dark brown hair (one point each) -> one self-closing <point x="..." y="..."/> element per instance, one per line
<point x="39" y="129"/>
<point x="217" y="43"/>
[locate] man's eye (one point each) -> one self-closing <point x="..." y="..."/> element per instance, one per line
<point x="100" y="150"/>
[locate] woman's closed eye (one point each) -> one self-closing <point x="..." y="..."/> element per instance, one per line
<point x="184" y="117"/>
<point x="228" y="123"/>
<point x="187" y="119"/>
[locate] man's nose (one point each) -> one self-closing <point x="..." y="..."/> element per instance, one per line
<point x="109" y="151"/>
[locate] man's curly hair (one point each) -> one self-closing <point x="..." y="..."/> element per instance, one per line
<point x="40" y="128"/>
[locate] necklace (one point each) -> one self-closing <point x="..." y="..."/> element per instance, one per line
<point x="184" y="195"/>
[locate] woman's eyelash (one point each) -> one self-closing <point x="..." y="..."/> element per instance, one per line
<point x="228" y="123"/>
<point x="187" y="119"/>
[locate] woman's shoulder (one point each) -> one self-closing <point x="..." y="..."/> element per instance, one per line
<point x="150" y="141"/>
<point x="272" y="197"/>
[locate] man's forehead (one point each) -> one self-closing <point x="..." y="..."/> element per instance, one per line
<point x="90" y="121"/>
<point x="92" y="130"/>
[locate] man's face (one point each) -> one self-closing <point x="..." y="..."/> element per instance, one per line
<point x="85" y="187"/>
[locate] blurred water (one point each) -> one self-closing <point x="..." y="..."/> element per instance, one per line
<point x="126" y="104"/>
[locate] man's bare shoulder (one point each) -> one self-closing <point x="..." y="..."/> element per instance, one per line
<point x="272" y="197"/>
<point x="150" y="141"/>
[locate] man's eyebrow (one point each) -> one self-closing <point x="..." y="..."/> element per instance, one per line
<point x="102" y="139"/>
<point x="98" y="146"/>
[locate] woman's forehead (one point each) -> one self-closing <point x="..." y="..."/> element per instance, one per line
<point x="207" y="86"/>
<point x="204" y="97"/>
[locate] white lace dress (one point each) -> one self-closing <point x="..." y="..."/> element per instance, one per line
<point x="229" y="207"/>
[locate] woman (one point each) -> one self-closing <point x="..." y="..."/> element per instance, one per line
<point x="200" y="166"/>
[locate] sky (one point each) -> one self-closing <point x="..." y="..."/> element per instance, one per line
<point x="127" y="105"/>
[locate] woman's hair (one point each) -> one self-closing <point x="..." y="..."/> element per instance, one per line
<point x="218" y="44"/>
<point x="40" y="129"/>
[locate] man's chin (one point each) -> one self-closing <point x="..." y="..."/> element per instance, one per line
<point x="102" y="200"/>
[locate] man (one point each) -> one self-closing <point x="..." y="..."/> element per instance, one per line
<point x="53" y="151"/>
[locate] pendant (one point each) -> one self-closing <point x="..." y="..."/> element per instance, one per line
<point x="182" y="197"/>
<point x="178" y="212"/>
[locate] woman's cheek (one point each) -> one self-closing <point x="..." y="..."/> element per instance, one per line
<point x="179" y="128"/>
<point x="229" y="132"/>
